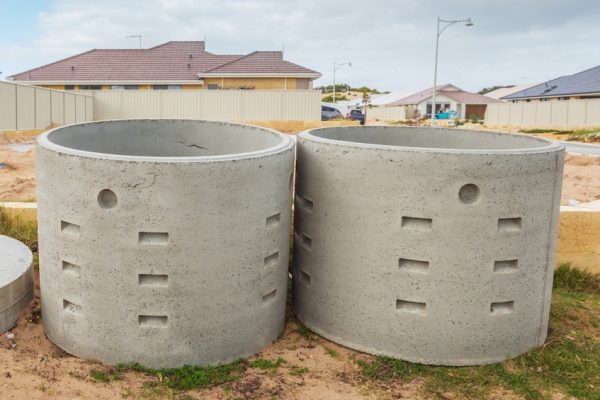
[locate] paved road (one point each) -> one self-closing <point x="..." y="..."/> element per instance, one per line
<point x="581" y="148"/>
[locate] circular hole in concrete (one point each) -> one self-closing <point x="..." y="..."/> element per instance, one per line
<point x="469" y="193"/>
<point x="107" y="199"/>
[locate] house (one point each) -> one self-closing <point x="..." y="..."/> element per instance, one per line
<point x="499" y="93"/>
<point x="170" y="66"/>
<point x="582" y="85"/>
<point x="448" y="97"/>
<point x="375" y="100"/>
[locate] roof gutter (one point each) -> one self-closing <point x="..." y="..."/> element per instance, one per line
<point x="111" y="82"/>
<point x="311" y="75"/>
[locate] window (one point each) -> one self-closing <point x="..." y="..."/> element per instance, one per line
<point x="563" y="98"/>
<point x="167" y="87"/>
<point x="544" y="99"/>
<point x="132" y="87"/>
<point x="213" y="86"/>
<point x="90" y="87"/>
<point x="117" y="87"/>
<point x="69" y="87"/>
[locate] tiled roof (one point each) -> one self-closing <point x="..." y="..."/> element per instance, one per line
<point x="171" y="61"/>
<point x="448" y="90"/>
<point x="583" y="82"/>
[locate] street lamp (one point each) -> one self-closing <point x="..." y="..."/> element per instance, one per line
<point x="467" y="22"/>
<point x="337" y="66"/>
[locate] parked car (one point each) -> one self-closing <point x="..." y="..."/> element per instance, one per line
<point x="328" y="113"/>
<point x="357" y="115"/>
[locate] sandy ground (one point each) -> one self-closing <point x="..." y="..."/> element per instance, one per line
<point x="17" y="179"/>
<point x="37" y="369"/>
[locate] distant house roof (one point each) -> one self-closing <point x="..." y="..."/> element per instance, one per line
<point x="505" y="91"/>
<point x="581" y="83"/>
<point x="171" y="61"/>
<point x="447" y="90"/>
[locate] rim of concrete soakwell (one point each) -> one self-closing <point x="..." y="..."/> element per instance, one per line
<point x="320" y="135"/>
<point x="281" y="142"/>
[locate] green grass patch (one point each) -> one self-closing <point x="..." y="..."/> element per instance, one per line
<point x="569" y="361"/>
<point x="574" y="132"/>
<point x="304" y="331"/>
<point x="262" y="363"/>
<point x="191" y="377"/>
<point x="331" y="352"/>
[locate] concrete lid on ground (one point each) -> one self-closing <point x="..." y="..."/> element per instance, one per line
<point x="15" y="260"/>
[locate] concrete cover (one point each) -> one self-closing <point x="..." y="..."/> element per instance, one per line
<point x="163" y="242"/>
<point x="431" y="245"/>
<point x="16" y="280"/>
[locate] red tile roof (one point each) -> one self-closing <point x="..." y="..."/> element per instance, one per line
<point x="171" y="61"/>
<point x="448" y="90"/>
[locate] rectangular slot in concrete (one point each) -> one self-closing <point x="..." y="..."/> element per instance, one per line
<point x="273" y="220"/>
<point x="505" y="266"/>
<point x="269" y="297"/>
<point x="509" y="225"/>
<point x="413" y="307"/>
<point x="305" y="277"/>
<point x="406" y="264"/>
<point x="306" y="203"/>
<point x="305" y="241"/>
<point x="271" y="259"/>
<point x="418" y="224"/>
<point x="154" y="238"/>
<point x="70" y="229"/>
<point x="153" y="321"/>
<point x="71" y="307"/>
<point x="153" y="280"/>
<point x="71" y="269"/>
<point x="502" y="307"/>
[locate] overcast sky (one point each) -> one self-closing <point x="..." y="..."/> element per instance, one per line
<point x="389" y="42"/>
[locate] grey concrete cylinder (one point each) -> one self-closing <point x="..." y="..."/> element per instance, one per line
<point x="16" y="280"/>
<point x="163" y="242"/>
<point x="430" y="245"/>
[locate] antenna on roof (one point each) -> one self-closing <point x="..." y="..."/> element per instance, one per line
<point x="205" y="40"/>
<point x="133" y="37"/>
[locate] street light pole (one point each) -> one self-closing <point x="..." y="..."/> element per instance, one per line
<point x="337" y="66"/>
<point x="467" y="22"/>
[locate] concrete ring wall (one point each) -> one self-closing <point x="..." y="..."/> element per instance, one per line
<point x="431" y="245"/>
<point x="16" y="281"/>
<point x="163" y="242"/>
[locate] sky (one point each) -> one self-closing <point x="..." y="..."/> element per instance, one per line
<point x="390" y="43"/>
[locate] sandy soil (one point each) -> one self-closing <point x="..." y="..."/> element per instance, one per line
<point x="37" y="369"/>
<point x="17" y="179"/>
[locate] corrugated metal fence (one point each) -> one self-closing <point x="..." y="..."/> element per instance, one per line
<point x="545" y="114"/>
<point x="224" y="105"/>
<point x="25" y="107"/>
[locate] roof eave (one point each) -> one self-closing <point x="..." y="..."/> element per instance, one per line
<point x="311" y="75"/>
<point x="112" y="82"/>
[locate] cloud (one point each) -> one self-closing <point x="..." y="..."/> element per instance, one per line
<point x="390" y="42"/>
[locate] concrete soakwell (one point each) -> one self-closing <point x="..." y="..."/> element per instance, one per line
<point x="163" y="242"/>
<point x="431" y="245"/>
<point x="16" y="280"/>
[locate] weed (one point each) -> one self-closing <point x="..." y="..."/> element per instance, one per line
<point x="331" y="352"/>
<point x="262" y="363"/>
<point x="19" y="228"/>
<point x="191" y="377"/>
<point x="298" y="371"/>
<point x="35" y="316"/>
<point x="304" y="331"/>
<point x="574" y="279"/>
<point x="105" y="377"/>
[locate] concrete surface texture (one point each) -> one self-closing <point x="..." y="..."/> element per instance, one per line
<point x="430" y="245"/>
<point x="16" y="280"/>
<point x="163" y="242"/>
